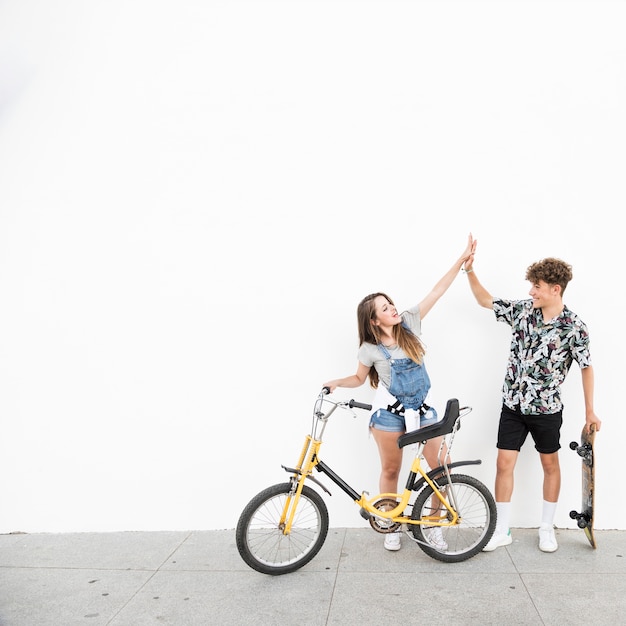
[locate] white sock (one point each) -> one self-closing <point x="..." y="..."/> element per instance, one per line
<point x="503" y="511"/>
<point x="547" y="514"/>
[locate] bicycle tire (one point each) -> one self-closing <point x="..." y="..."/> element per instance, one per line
<point x="260" y="540"/>
<point x="477" y="520"/>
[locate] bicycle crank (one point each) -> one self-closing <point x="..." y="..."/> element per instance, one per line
<point x="384" y="524"/>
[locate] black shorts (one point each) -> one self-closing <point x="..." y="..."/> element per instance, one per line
<point x="545" y="430"/>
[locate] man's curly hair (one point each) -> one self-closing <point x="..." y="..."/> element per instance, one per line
<point x="552" y="271"/>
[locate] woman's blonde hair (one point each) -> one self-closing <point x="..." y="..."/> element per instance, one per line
<point x="370" y="333"/>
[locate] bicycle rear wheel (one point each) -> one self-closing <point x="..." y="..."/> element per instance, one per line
<point x="477" y="519"/>
<point x="261" y="541"/>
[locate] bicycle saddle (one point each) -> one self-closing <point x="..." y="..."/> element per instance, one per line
<point x="442" y="427"/>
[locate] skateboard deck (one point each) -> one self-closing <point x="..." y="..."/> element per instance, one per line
<point x="585" y="450"/>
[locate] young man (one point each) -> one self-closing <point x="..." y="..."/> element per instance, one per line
<point x="546" y="337"/>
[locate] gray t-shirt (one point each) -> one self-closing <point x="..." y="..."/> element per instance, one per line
<point x="371" y="355"/>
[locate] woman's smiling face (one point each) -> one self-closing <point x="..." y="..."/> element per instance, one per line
<point x="386" y="313"/>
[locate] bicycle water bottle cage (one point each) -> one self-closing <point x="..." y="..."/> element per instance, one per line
<point x="443" y="427"/>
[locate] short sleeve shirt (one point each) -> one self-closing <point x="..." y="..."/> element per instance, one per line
<point x="371" y="355"/>
<point x="540" y="356"/>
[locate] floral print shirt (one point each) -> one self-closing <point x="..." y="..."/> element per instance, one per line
<point x="541" y="355"/>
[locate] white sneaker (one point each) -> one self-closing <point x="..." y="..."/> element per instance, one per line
<point x="547" y="540"/>
<point x="499" y="538"/>
<point x="435" y="537"/>
<point x="392" y="541"/>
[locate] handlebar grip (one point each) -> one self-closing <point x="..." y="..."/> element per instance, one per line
<point x="353" y="404"/>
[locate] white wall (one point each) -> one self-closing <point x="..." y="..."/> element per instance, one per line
<point x="195" y="195"/>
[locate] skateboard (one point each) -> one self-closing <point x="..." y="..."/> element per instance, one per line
<point x="585" y="450"/>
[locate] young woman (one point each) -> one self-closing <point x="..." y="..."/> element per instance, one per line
<point x="392" y="355"/>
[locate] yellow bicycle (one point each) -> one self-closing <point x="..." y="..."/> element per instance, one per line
<point x="451" y="518"/>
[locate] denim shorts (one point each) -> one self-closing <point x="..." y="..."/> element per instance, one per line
<point x="385" y="420"/>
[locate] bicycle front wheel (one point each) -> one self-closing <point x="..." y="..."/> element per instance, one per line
<point x="261" y="542"/>
<point x="476" y="508"/>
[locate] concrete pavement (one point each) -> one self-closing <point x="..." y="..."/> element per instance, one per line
<point x="197" y="578"/>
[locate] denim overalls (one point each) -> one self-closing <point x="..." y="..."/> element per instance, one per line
<point x="408" y="390"/>
<point x="409" y="380"/>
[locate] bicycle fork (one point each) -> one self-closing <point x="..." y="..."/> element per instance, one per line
<point x="303" y="470"/>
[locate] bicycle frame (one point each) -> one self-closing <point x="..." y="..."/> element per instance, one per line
<point x="418" y="478"/>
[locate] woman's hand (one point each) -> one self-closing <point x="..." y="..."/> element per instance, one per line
<point x="468" y="254"/>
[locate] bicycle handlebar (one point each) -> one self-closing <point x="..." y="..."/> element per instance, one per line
<point x="353" y="404"/>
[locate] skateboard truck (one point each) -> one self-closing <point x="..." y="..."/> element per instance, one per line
<point x="583" y="451"/>
<point x="582" y="519"/>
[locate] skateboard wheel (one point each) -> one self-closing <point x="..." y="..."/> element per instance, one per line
<point x="573" y="445"/>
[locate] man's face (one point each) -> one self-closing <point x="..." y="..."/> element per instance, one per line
<point x="543" y="294"/>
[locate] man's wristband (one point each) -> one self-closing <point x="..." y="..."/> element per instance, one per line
<point x="466" y="271"/>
